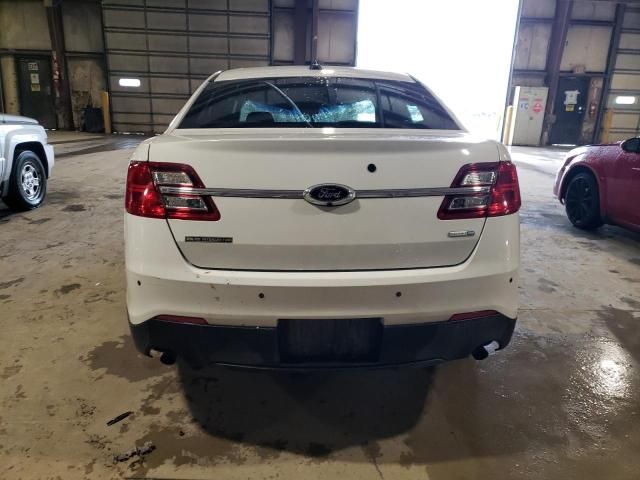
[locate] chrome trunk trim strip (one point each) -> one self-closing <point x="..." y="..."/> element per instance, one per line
<point x="299" y="194"/>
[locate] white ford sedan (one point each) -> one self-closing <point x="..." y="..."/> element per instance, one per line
<point x="296" y="217"/>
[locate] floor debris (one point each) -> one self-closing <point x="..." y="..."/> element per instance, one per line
<point x="119" y="418"/>
<point x="145" y="449"/>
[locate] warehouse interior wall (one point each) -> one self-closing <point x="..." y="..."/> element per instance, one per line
<point x="169" y="46"/>
<point x="25" y="33"/>
<point x="601" y="43"/>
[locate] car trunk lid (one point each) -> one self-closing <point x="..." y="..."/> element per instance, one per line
<point x="282" y="231"/>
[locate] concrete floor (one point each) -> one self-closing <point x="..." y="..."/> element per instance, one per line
<point x="560" y="403"/>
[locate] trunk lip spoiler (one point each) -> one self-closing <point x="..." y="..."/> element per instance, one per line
<point x="299" y="194"/>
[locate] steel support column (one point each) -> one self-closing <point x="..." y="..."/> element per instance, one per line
<point x="62" y="96"/>
<point x="300" y="32"/>
<point x="556" y="48"/>
<point x="611" y="64"/>
<point x="315" y="15"/>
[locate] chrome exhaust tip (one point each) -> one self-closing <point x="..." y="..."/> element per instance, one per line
<point x="484" y="351"/>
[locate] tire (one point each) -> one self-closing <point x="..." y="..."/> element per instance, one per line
<point x="28" y="182"/>
<point x="582" y="202"/>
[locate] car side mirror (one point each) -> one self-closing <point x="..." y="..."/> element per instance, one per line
<point x="632" y="145"/>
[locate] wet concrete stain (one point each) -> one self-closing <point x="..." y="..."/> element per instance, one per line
<point x="100" y="297"/>
<point x="635" y="261"/>
<point x="76" y="207"/>
<point x="632" y="302"/>
<point x="11" y="283"/>
<point x="38" y="222"/>
<point x="115" y="196"/>
<point x="11" y="370"/>
<point x="120" y="358"/>
<point x="58" y="196"/>
<point x="625" y="328"/>
<point x="4" y="297"/>
<point x="547" y="286"/>
<point x="65" y="289"/>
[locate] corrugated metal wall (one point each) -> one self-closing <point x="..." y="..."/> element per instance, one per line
<point x="625" y="81"/>
<point x="171" y="46"/>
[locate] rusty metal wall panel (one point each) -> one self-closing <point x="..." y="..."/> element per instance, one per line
<point x="586" y="46"/>
<point x="532" y="47"/>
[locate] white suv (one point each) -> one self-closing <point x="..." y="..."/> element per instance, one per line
<point x="26" y="161"/>
<point x="293" y="217"/>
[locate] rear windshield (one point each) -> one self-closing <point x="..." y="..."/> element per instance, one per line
<point x="316" y="102"/>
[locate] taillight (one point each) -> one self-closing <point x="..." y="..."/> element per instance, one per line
<point x="144" y="197"/>
<point x="494" y="192"/>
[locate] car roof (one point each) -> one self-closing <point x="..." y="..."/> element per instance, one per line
<point x="305" y="71"/>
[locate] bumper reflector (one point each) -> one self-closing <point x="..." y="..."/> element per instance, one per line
<point x="180" y="319"/>
<point x="472" y="315"/>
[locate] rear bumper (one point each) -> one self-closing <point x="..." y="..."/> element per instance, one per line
<point x="253" y="347"/>
<point x="161" y="282"/>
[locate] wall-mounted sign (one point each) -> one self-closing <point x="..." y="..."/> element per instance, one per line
<point x="33" y="66"/>
<point x="571" y="97"/>
<point x="570" y="107"/>
<point x="35" y="87"/>
<point x="537" y="107"/>
<point x="35" y="78"/>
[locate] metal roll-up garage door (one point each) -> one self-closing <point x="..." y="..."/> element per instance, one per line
<point x="160" y="51"/>
<point x="624" y="94"/>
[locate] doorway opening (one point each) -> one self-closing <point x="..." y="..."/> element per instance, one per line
<point x="460" y="49"/>
<point x="36" y="92"/>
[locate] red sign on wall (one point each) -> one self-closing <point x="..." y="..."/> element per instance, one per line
<point x="537" y="107"/>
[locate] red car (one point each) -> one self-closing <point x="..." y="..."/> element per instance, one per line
<point x="601" y="184"/>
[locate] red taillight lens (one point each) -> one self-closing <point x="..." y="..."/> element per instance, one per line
<point x="498" y="192"/>
<point x="505" y="194"/>
<point x="145" y="198"/>
<point x="142" y="198"/>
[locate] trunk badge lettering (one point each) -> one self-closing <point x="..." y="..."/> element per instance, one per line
<point x="329" y="194"/>
<point x="461" y="233"/>
<point x="209" y="239"/>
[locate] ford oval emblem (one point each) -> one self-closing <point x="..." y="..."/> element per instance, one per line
<point x="329" y="194"/>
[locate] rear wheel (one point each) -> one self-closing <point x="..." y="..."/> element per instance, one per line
<point x="582" y="202"/>
<point x="28" y="185"/>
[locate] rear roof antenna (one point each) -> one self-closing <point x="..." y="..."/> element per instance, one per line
<point x="315" y="65"/>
